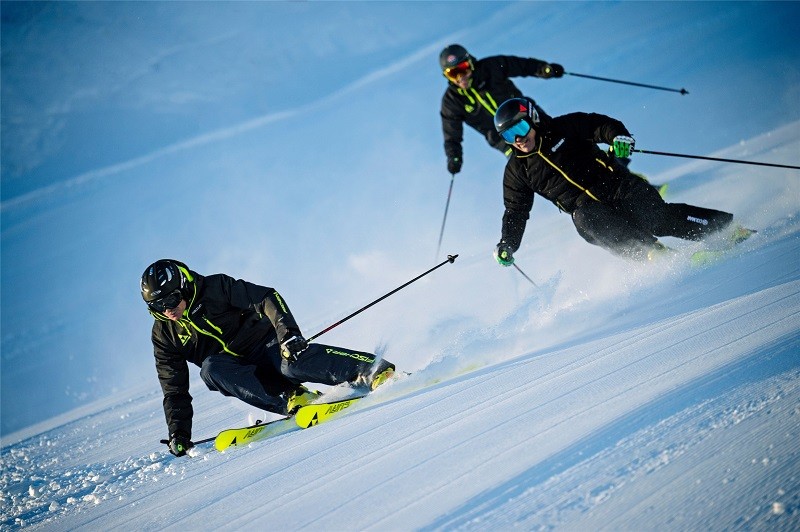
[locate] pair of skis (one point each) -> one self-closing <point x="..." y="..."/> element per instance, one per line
<point x="307" y="416"/>
<point x="706" y="257"/>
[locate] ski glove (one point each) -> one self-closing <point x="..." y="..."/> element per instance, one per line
<point x="179" y="444"/>
<point x="623" y="146"/>
<point x="504" y="254"/>
<point x="454" y="165"/>
<point x="553" y="70"/>
<point x="291" y="348"/>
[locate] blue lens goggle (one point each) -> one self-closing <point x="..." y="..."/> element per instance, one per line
<point x="520" y="129"/>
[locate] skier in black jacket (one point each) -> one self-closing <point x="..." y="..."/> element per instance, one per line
<point x="246" y="342"/>
<point x="475" y="88"/>
<point x="558" y="158"/>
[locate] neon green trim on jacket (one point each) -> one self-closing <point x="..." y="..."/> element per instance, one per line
<point x="491" y="106"/>
<point x="280" y="301"/>
<point x="212" y="335"/>
<point x="560" y="171"/>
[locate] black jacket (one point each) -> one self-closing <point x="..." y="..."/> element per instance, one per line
<point x="566" y="167"/>
<point x="223" y="315"/>
<point x="477" y="105"/>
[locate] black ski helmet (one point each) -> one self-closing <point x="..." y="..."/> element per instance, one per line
<point x="453" y="55"/>
<point x="164" y="277"/>
<point x="512" y="111"/>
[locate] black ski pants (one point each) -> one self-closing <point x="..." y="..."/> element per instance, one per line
<point x="263" y="379"/>
<point x="630" y="224"/>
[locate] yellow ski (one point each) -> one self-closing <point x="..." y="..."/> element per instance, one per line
<point x="316" y="413"/>
<point x="245" y="435"/>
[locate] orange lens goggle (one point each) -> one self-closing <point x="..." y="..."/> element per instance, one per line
<point x="453" y="73"/>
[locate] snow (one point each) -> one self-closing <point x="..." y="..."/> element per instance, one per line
<point x="298" y="145"/>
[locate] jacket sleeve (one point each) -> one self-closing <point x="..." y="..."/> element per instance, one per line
<point x="515" y="67"/>
<point x="275" y="308"/>
<point x="264" y="300"/>
<point x="518" y="200"/>
<point x="599" y="128"/>
<point x="173" y="374"/>
<point x="452" y="128"/>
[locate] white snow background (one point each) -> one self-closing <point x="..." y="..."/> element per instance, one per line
<point x="298" y="145"/>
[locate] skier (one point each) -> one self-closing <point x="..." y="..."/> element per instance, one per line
<point x="558" y="158"/>
<point x="474" y="89"/>
<point x="245" y="341"/>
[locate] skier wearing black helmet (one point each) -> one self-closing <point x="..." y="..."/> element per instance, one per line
<point x="558" y="158"/>
<point x="245" y="341"/>
<point x="475" y="88"/>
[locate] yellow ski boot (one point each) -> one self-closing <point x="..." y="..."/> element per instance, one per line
<point x="302" y="396"/>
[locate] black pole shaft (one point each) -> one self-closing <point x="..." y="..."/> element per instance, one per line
<point x="205" y="440"/>
<point x="716" y="159"/>
<point x="446" y="206"/>
<point x="450" y="258"/>
<point x="682" y="91"/>
<point x="525" y="276"/>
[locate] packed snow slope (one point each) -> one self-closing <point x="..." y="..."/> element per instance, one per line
<point x="669" y="402"/>
<point x="298" y="145"/>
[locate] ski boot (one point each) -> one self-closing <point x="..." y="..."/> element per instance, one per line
<point x="382" y="372"/>
<point x="301" y="396"/>
<point x="740" y="234"/>
<point x="657" y="252"/>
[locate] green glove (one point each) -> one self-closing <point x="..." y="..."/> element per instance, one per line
<point x="623" y="146"/>
<point x="504" y="254"/>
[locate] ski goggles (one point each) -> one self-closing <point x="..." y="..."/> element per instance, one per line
<point x="520" y="129"/>
<point x="455" y="72"/>
<point x="169" y="301"/>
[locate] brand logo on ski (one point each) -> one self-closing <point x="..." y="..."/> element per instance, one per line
<point x="332" y="409"/>
<point x="253" y="432"/>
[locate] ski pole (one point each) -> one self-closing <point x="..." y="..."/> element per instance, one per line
<point x="258" y="424"/>
<point x="205" y="440"/>
<point x="446" y="206"/>
<point x="682" y="91"/>
<point x="525" y="276"/>
<point x="716" y="159"/>
<point x="450" y="258"/>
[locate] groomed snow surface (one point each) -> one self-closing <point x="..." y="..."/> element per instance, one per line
<point x="298" y="145"/>
<point x="671" y="404"/>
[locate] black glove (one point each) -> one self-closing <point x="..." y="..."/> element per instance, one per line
<point x="179" y="444"/>
<point x="291" y="348"/>
<point x="454" y="164"/>
<point x="553" y="70"/>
